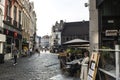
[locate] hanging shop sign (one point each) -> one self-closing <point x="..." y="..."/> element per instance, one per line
<point x="15" y="34"/>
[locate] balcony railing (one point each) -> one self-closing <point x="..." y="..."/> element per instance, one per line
<point x="56" y="38"/>
<point x="13" y="23"/>
<point x="17" y="25"/>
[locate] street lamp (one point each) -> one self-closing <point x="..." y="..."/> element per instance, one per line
<point x="86" y="4"/>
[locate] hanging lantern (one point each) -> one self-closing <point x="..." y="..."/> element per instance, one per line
<point x="15" y="34"/>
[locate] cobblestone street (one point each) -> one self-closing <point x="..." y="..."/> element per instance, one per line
<point x="36" y="67"/>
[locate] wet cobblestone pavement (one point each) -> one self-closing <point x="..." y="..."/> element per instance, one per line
<point x="35" y="67"/>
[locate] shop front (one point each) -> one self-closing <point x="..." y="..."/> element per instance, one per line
<point x="13" y="38"/>
<point x="25" y="46"/>
<point x="109" y="37"/>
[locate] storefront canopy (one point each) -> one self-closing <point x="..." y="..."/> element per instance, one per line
<point x="76" y="42"/>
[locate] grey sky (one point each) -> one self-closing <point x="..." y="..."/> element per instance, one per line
<point x="50" y="11"/>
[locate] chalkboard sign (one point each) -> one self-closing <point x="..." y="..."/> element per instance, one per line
<point x="94" y="60"/>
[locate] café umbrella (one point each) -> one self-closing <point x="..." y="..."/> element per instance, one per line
<point x="76" y="42"/>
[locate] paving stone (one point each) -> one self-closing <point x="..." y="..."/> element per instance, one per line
<point x="35" y="67"/>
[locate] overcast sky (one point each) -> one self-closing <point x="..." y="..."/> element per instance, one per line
<point x="50" y="11"/>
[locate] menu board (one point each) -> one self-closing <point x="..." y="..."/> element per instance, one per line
<point x="94" y="60"/>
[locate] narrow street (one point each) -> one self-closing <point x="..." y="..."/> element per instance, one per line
<point x="36" y="67"/>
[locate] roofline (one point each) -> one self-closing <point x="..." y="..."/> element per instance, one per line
<point x="77" y="22"/>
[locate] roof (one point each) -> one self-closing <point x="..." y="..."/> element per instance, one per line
<point x="75" y="28"/>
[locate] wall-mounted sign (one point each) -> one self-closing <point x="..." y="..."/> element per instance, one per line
<point x="111" y="32"/>
<point x="110" y="21"/>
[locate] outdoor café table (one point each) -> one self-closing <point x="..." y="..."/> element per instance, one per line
<point x="74" y="62"/>
<point x="73" y="66"/>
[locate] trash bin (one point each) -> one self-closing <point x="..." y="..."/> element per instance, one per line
<point x="1" y="58"/>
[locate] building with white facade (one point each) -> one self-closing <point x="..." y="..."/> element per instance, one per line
<point x="56" y="34"/>
<point x="45" y="41"/>
<point x="32" y="29"/>
<point x="2" y="36"/>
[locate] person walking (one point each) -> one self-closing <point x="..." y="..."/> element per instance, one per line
<point x="38" y="52"/>
<point x="30" y="51"/>
<point x="15" y="53"/>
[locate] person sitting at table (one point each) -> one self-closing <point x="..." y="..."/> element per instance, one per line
<point x="74" y="68"/>
<point x="72" y="56"/>
<point x="84" y="66"/>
